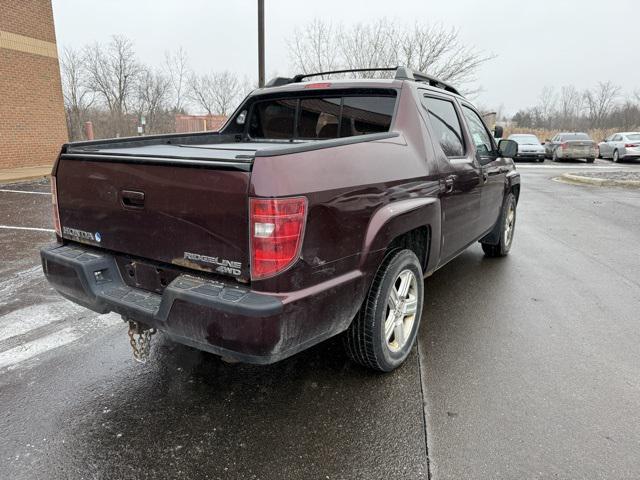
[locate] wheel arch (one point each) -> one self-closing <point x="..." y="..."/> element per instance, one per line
<point x="412" y="223"/>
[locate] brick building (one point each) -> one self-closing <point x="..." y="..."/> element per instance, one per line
<point x="32" y="119"/>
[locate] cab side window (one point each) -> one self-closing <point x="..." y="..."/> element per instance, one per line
<point x="479" y="134"/>
<point x="445" y="125"/>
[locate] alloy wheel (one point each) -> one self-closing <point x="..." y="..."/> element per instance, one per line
<point x="402" y="306"/>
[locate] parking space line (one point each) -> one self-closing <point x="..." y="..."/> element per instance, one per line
<point x="23" y="191"/>
<point x="33" y="229"/>
<point x="31" y="349"/>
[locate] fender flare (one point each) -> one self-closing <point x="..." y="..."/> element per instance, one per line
<point x="398" y="218"/>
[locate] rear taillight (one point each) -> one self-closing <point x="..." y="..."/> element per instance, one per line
<point x="564" y="145"/>
<point x="54" y="204"/>
<point x="631" y="145"/>
<point x="277" y="228"/>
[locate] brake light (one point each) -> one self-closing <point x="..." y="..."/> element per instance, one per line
<point x="277" y="228"/>
<point x="54" y="204"/>
<point x="564" y="145"/>
<point x="631" y="145"/>
<point x="318" y="85"/>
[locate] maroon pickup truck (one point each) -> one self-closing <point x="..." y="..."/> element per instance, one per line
<point x="317" y="210"/>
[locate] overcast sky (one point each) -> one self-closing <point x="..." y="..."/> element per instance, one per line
<point x="537" y="42"/>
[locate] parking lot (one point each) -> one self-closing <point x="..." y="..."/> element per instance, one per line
<point x="534" y="374"/>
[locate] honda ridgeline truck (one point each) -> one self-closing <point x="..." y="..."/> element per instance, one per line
<point x="316" y="210"/>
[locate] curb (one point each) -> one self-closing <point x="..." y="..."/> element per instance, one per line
<point x="600" y="182"/>
<point x="21" y="175"/>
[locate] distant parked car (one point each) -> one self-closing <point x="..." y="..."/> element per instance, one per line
<point x="529" y="147"/>
<point x="571" y="146"/>
<point x="621" y="146"/>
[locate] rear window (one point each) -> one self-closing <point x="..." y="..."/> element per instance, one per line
<point x="634" y="137"/>
<point x="575" y="136"/>
<point x="321" y="117"/>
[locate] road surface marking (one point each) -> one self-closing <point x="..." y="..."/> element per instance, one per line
<point x="18" y="282"/>
<point x="31" y="349"/>
<point x="30" y="318"/>
<point x="23" y="191"/>
<point x="32" y="229"/>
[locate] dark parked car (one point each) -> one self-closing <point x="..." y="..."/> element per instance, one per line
<point x="571" y="146"/>
<point x="317" y="210"/>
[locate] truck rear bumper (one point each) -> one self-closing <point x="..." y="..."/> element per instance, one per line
<point x="222" y="318"/>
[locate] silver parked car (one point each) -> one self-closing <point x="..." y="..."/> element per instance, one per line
<point x="529" y="147"/>
<point x="571" y="146"/>
<point x="621" y="146"/>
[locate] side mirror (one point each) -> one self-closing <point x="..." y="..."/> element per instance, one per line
<point x="498" y="132"/>
<point x="507" y="148"/>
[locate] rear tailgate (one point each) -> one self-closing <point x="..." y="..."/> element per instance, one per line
<point x="191" y="213"/>
<point x="580" y="147"/>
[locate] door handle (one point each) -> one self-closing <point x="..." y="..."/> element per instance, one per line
<point x="132" y="199"/>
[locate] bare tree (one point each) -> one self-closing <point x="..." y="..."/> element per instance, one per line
<point x="571" y="101"/>
<point x="77" y="97"/>
<point x="548" y="106"/>
<point x="177" y="66"/>
<point x="433" y="49"/>
<point x="315" y="47"/>
<point x="370" y="46"/>
<point x="439" y="51"/>
<point x="113" y="73"/>
<point x="217" y="93"/>
<point x="600" y="102"/>
<point x="153" y="92"/>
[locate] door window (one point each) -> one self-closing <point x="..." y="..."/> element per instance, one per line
<point x="479" y="133"/>
<point x="445" y="125"/>
<point x="617" y="138"/>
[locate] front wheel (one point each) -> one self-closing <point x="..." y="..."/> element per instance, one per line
<point x="385" y="329"/>
<point x="591" y="160"/>
<point x="507" y="225"/>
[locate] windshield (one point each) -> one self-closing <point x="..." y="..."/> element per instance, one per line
<point x="575" y="136"/>
<point x="525" y="139"/>
<point x="634" y="137"/>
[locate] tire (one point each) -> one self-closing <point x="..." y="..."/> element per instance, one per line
<point x="591" y="160"/>
<point x="507" y="218"/>
<point x="554" y="156"/>
<point x="541" y="160"/>
<point x="366" y="340"/>
<point x="616" y="156"/>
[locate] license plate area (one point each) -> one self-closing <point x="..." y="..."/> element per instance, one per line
<point x="146" y="275"/>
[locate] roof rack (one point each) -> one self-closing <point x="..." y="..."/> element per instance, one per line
<point x="402" y="73"/>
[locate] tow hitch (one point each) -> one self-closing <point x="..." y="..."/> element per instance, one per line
<point x="140" y="340"/>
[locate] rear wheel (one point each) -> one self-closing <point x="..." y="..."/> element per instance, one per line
<point x="591" y="160"/>
<point x="507" y="225"/>
<point x="384" y="331"/>
<point x="616" y="156"/>
<point x="554" y="156"/>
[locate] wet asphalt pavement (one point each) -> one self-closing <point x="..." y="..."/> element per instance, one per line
<point x="527" y="367"/>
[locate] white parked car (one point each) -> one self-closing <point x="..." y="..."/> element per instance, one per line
<point x="529" y="147"/>
<point x="621" y="146"/>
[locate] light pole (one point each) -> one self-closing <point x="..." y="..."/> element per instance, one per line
<point x="261" y="43"/>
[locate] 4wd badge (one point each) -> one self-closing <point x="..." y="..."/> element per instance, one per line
<point x="226" y="267"/>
